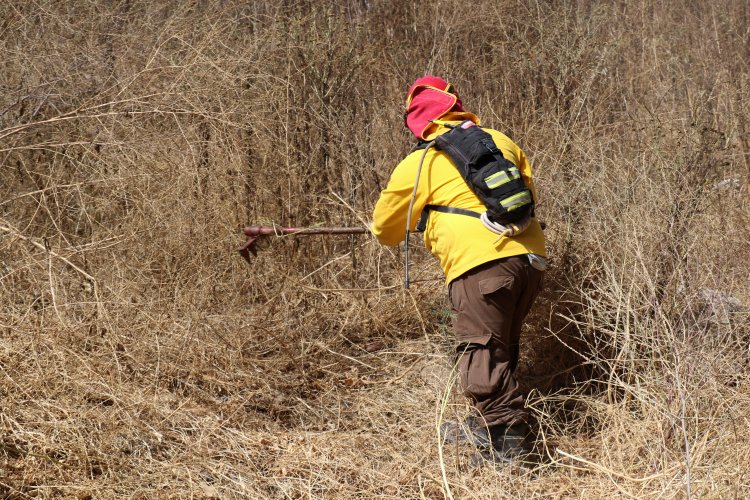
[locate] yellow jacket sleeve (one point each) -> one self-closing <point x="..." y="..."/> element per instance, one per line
<point x="391" y="210"/>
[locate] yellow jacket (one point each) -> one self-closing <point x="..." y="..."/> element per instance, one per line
<point x="459" y="242"/>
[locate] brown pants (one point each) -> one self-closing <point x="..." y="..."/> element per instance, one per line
<point x="490" y="302"/>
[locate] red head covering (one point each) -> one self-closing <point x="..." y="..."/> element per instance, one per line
<point x="428" y="99"/>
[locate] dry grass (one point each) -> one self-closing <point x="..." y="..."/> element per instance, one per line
<point x="140" y="357"/>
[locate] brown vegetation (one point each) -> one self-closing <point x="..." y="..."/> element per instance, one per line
<point x="140" y="357"/>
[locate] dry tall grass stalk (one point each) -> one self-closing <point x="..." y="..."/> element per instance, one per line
<point x="141" y="358"/>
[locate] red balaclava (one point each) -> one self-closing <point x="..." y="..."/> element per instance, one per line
<point x="428" y="99"/>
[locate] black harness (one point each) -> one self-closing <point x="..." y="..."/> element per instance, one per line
<point x="422" y="224"/>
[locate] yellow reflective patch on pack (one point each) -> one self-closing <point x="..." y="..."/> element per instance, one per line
<point x="496" y="179"/>
<point x="499" y="178"/>
<point x="516" y="201"/>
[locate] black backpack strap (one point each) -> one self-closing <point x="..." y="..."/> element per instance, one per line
<point x="422" y="224"/>
<point x="420" y="145"/>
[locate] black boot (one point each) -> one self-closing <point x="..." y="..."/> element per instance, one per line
<point x="470" y="431"/>
<point x="499" y="443"/>
<point x="510" y="442"/>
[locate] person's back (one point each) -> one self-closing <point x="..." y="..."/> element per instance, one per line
<point x="459" y="243"/>
<point x="491" y="281"/>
